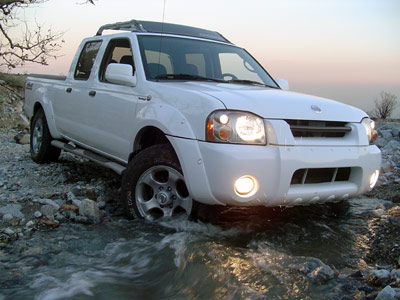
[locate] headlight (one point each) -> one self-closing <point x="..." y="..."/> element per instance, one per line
<point x="369" y="126"/>
<point x="235" y="127"/>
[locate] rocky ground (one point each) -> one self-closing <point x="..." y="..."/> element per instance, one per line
<point x="74" y="191"/>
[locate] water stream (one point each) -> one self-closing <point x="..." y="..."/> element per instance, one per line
<point x="238" y="254"/>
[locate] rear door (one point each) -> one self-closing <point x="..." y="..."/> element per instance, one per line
<point x="72" y="101"/>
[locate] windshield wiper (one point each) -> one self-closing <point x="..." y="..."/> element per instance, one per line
<point x="248" y="82"/>
<point x="187" y="77"/>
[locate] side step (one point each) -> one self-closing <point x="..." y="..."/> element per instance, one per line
<point x="117" y="168"/>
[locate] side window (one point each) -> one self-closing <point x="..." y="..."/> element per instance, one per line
<point x="118" y="52"/>
<point x="86" y="60"/>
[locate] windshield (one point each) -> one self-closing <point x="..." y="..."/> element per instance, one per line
<point x="170" y="58"/>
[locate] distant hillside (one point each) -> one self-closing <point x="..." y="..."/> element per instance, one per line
<point x="11" y="102"/>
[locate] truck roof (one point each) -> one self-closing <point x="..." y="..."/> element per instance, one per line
<point x="167" y="28"/>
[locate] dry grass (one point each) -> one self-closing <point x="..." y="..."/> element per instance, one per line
<point x="16" y="80"/>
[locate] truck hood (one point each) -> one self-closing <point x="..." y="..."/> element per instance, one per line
<point x="272" y="103"/>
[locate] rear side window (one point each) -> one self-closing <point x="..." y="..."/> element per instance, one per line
<point x="86" y="60"/>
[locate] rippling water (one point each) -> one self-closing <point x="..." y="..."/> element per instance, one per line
<point x="238" y="254"/>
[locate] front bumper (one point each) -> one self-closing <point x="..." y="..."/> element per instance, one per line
<point x="211" y="169"/>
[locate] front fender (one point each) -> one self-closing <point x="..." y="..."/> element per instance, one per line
<point x="166" y="118"/>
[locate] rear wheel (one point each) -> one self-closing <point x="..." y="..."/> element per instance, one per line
<point x="153" y="185"/>
<point x="40" y="144"/>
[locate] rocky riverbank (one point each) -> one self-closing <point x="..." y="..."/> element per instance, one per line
<point x="43" y="208"/>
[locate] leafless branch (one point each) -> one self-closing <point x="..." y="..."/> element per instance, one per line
<point x="34" y="45"/>
<point x="384" y="106"/>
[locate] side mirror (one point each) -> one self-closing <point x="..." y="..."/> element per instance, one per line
<point x="283" y="84"/>
<point x="120" y="74"/>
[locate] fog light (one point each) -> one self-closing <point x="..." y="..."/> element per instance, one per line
<point x="373" y="179"/>
<point x="246" y="186"/>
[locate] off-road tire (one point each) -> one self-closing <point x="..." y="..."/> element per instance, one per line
<point x="139" y="171"/>
<point x="40" y="142"/>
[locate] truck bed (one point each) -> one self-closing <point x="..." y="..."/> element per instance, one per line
<point x="46" y="76"/>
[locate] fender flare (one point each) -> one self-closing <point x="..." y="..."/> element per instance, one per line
<point x="164" y="117"/>
<point x="47" y="107"/>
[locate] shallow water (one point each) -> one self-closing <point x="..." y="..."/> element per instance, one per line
<point x="254" y="253"/>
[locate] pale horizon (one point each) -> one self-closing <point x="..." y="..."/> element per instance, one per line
<point x="347" y="51"/>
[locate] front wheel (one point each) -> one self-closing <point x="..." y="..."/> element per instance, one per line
<point x="153" y="185"/>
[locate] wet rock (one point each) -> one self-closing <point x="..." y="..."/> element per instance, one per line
<point x="360" y="295"/>
<point x="104" y="198"/>
<point x="83" y="220"/>
<point x="397" y="290"/>
<point x="76" y="202"/>
<point x="12" y="209"/>
<point x="378" y="212"/>
<point x="51" y="223"/>
<point x="321" y="274"/>
<point x="70" y="196"/>
<point x="89" y="209"/>
<point x="7" y="218"/>
<point x="69" y="207"/>
<point x="60" y="217"/>
<point x="70" y="238"/>
<point x="14" y="222"/>
<point x="48" y="211"/>
<point x="49" y="202"/>
<point x="309" y="264"/>
<point x="33" y="251"/>
<point x="70" y="214"/>
<point x="29" y="224"/>
<point x="76" y="191"/>
<point x="395" y="274"/>
<point x="8" y="231"/>
<point x="379" y="277"/>
<point x="381" y="274"/>
<point x="388" y="293"/>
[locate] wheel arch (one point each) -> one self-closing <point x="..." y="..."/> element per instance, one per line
<point x="49" y="115"/>
<point x="146" y="137"/>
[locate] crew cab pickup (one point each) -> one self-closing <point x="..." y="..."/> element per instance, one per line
<point x="187" y="117"/>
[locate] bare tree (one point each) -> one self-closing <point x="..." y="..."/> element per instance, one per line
<point x="35" y="45"/>
<point x="384" y="105"/>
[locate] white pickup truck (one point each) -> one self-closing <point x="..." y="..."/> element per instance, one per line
<point x="184" y="115"/>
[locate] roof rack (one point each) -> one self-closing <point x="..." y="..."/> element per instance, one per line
<point x="132" y="25"/>
<point x="167" y="28"/>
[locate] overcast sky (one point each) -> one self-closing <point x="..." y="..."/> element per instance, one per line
<point x="346" y="50"/>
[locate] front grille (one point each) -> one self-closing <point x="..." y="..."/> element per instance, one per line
<point x="320" y="175"/>
<point x="326" y="129"/>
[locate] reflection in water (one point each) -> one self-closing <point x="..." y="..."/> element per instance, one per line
<point x="247" y="253"/>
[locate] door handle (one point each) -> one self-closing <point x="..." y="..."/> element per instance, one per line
<point x="68" y="90"/>
<point x="92" y="93"/>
